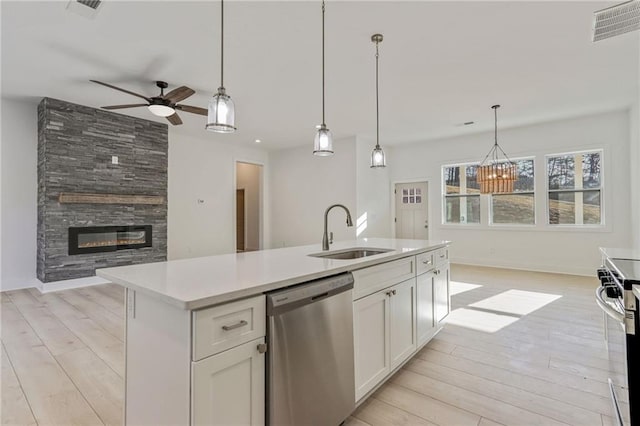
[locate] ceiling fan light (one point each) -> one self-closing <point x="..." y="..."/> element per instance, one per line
<point x="323" y="142"/>
<point x="378" y="159"/>
<point x="221" y="116"/>
<point x="161" y="110"/>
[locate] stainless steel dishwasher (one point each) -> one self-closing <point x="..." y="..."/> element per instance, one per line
<point x="310" y="374"/>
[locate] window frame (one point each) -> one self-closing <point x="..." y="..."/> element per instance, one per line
<point x="547" y="191"/>
<point x="490" y="221"/>
<point x="444" y="195"/>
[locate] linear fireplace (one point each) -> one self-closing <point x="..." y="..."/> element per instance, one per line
<point x="97" y="239"/>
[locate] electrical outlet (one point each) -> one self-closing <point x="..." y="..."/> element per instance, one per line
<point x="114" y="159"/>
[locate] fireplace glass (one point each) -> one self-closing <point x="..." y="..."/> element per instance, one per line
<point x="96" y="239"/>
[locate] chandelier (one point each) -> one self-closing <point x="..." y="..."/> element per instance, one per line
<point x="497" y="175"/>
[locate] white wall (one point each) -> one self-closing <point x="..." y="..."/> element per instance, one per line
<point x="18" y="157"/>
<point x="204" y="169"/>
<point x="539" y="247"/>
<point x="303" y="186"/>
<point x="248" y="177"/>
<point x="373" y="196"/>
<point x="634" y="157"/>
<point x="634" y="160"/>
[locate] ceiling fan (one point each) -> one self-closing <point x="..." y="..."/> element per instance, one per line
<point x="161" y="105"/>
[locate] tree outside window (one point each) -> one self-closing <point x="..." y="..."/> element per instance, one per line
<point x="517" y="207"/>
<point x="575" y="188"/>
<point x="461" y="194"/>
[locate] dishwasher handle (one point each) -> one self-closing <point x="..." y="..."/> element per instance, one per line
<point x="281" y="301"/>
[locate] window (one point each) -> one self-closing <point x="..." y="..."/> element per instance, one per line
<point x="461" y="194"/>
<point x="411" y="196"/>
<point x="575" y="188"/>
<point x="517" y="207"/>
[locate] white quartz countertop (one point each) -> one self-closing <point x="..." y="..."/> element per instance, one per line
<point x="621" y="253"/>
<point x="205" y="281"/>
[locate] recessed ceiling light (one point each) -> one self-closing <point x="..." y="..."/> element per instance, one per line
<point x="258" y="141"/>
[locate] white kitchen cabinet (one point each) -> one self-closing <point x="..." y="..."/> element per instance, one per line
<point x="402" y="322"/>
<point x="441" y="293"/>
<point x="229" y="388"/>
<point x="384" y="333"/>
<point x="426" y="325"/>
<point x="165" y="382"/>
<point x="371" y="341"/>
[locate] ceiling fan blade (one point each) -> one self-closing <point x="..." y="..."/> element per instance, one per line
<point x="122" y="90"/>
<point x="192" y="109"/>
<point x="123" y="106"/>
<point x="174" y="119"/>
<point x="179" y="94"/>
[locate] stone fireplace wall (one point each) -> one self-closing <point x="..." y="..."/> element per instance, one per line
<point x="75" y="149"/>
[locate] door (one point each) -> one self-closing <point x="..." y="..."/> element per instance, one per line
<point x="402" y="320"/>
<point x="371" y="341"/>
<point x="229" y="388"/>
<point x="412" y="210"/>
<point x="426" y="325"/>
<point x="249" y="179"/>
<point x="441" y="298"/>
<point x="240" y="215"/>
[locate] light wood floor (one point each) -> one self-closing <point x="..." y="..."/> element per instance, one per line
<point x="520" y="348"/>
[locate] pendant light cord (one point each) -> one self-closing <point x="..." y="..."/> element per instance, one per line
<point x="221" y="43"/>
<point x="496" y="149"/>
<point x="323" y="122"/>
<point x="377" y="102"/>
<point x="495" y="126"/>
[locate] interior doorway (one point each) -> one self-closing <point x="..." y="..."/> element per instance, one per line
<point x="412" y="212"/>
<point x="248" y="207"/>
<point x="240" y="224"/>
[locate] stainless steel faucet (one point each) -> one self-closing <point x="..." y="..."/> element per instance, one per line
<point x="325" y="237"/>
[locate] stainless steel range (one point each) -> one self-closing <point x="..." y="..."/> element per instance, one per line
<point x="617" y="296"/>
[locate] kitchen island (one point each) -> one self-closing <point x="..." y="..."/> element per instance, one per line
<point x="195" y="328"/>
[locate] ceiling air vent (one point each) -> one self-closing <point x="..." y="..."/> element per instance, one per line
<point x="86" y="8"/>
<point x="616" y="20"/>
<point x="93" y="4"/>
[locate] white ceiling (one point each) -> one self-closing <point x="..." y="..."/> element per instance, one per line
<point x="441" y="63"/>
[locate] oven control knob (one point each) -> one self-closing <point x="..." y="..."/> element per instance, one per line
<point x="602" y="272"/>
<point x="613" y="292"/>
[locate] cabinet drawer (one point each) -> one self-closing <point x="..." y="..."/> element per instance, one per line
<point x="374" y="278"/>
<point x="425" y="262"/>
<point x="222" y="327"/>
<point x="441" y="255"/>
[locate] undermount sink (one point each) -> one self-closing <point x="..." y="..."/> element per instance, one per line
<point x="352" y="253"/>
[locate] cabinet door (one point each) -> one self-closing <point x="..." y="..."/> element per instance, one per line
<point x="228" y="388"/>
<point x="441" y="297"/>
<point x="402" y="322"/>
<point x="425" y="321"/>
<point x="371" y="341"/>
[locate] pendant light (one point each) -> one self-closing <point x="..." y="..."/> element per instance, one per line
<point x="221" y="115"/>
<point x="496" y="175"/>
<point x="323" y="142"/>
<point x="378" y="159"/>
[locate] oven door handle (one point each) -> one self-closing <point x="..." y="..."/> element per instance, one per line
<point x="608" y="309"/>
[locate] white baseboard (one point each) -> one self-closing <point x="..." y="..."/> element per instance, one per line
<point x="554" y="269"/>
<point x="69" y="284"/>
<point x="20" y="284"/>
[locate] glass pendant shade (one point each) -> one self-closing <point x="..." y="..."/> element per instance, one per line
<point x="323" y="142"/>
<point x="161" y="110"/>
<point x="221" y="116"/>
<point x="378" y="158"/>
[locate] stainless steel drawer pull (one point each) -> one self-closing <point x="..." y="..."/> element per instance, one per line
<point x="427" y="262"/>
<point x="442" y="256"/>
<point x="242" y="323"/>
